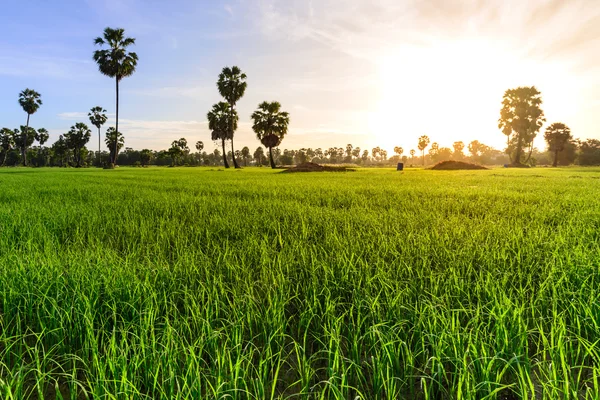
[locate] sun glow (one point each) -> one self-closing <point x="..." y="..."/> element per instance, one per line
<point x="452" y="91"/>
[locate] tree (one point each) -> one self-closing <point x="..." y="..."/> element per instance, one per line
<point x="412" y="155"/>
<point x="589" y="152"/>
<point x="245" y="155"/>
<point x="60" y="149"/>
<point x="98" y="118"/>
<point x="6" y="143"/>
<point x="270" y="125"/>
<point x="222" y="121"/>
<point x="76" y="139"/>
<point x="365" y="156"/>
<point x="115" y="62"/>
<point x="232" y="86"/>
<point x="26" y="136"/>
<point x="521" y="119"/>
<point x="199" y="146"/>
<point x="30" y="101"/>
<point x="178" y="149"/>
<point x="398" y="150"/>
<point x="556" y="136"/>
<point x="146" y="155"/>
<point x="423" y="143"/>
<point x="477" y="149"/>
<point x="458" y="150"/>
<point x="258" y="155"/>
<point x="115" y="142"/>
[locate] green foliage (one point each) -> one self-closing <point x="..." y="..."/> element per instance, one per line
<point x="589" y="152"/>
<point x="114" y="139"/>
<point x="30" y="101"/>
<point x="115" y="61"/>
<point x="258" y="285"/>
<point x="557" y="136"/>
<point x="76" y="139"/>
<point x="270" y="125"/>
<point x="521" y="118"/>
<point x="222" y="122"/>
<point x="97" y="116"/>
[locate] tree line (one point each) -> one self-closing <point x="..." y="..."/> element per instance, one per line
<point x="521" y="119"/>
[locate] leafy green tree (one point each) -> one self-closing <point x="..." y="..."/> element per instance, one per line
<point x="60" y="150"/>
<point x="423" y="143"/>
<point x="458" y="150"/>
<point x="98" y="118"/>
<point x="115" y="62"/>
<point x="589" y="152"/>
<point x="521" y="119"/>
<point x="199" y="146"/>
<point x="232" y="86"/>
<point x="30" y="101"/>
<point x="179" y="148"/>
<point x="114" y="142"/>
<point x="557" y="135"/>
<point x="270" y="125"/>
<point x="146" y="156"/>
<point x="26" y="136"/>
<point x="222" y="121"/>
<point x="259" y="155"/>
<point x="6" y="143"/>
<point x="77" y="137"/>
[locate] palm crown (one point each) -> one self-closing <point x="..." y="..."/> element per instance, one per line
<point x="30" y="101"/>
<point x="115" y="61"/>
<point x="232" y="84"/>
<point x="220" y="119"/>
<point x="270" y="123"/>
<point x="97" y="116"/>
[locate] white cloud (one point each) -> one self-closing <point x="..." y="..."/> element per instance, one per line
<point x="72" y="116"/>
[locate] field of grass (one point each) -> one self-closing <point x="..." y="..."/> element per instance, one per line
<point x="192" y="283"/>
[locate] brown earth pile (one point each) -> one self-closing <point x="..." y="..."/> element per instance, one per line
<point x="455" y="166"/>
<point x="313" y="167"/>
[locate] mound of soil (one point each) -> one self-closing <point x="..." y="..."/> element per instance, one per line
<point x="455" y="165"/>
<point x="313" y="167"/>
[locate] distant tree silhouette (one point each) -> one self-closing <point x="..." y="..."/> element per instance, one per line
<point x="179" y="148"/>
<point x="245" y="155"/>
<point x="6" y="143"/>
<point x="30" y="101"/>
<point x="398" y="150"/>
<point x="115" y="62"/>
<point x="557" y="135"/>
<point x="98" y="118"/>
<point x="232" y="86"/>
<point x="521" y="119"/>
<point x="222" y="121"/>
<point x="412" y="155"/>
<point x="146" y="156"/>
<point x="423" y="143"/>
<point x="60" y="150"/>
<point x="458" y="150"/>
<point x="76" y="139"/>
<point x="259" y="155"/>
<point x="270" y="125"/>
<point x="589" y="152"/>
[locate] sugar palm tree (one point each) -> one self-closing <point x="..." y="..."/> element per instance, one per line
<point x="30" y="101"/>
<point x="232" y="86"/>
<point x="270" y="125"/>
<point x="557" y="135"/>
<point x="114" y="141"/>
<point x="115" y="62"/>
<point x="423" y="143"/>
<point x="222" y="121"/>
<point x="98" y="118"/>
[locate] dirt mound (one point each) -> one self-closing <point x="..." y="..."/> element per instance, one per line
<point x="313" y="167"/>
<point x="455" y="165"/>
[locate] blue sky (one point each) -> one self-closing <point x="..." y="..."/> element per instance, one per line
<point x="370" y="73"/>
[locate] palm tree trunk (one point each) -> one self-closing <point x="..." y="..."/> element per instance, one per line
<point x="24" y="143"/>
<point x="518" y="150"/>
<point x="555" y="159"/>
<point x="235" y="163"/>
<point x="114" y="161"/>
<point x="271" y="157"/>
<point x="98" y="158"/>
<point x="423" y="153"/>
<point x="225" y="163"/>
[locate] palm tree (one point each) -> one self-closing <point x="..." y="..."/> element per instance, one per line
<point x="232" y="86"/>
<point x="423" y="143"/>
<point x="270" y="125"/>
<point x="98" y="118"/>
<point x="222" y="121"/>
<point x="115" y="62"/>
<point x="412" y="155"/>
<point x="77" y="138"/>
<point x="30" y="101"/>
<point x="245" y="155"/>
<point x="557" y="135"/>
<point x="114" y="141"/>
<point x="398" y="150"/>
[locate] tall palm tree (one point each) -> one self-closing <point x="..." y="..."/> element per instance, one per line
<point x="115" y="62"/>
<point x="270" y="125"/>
<point x="114" y="141"/>
<point x="423" y="143"/>
<point x="30" y="101"/>
<point x="222" y="121"/>
<point x="98" y="118"/>
<point x="232" y="86"/>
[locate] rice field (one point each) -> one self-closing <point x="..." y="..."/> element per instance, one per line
<point x="199" y="283"/>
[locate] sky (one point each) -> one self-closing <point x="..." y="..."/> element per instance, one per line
<point x="365" y="72"/>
